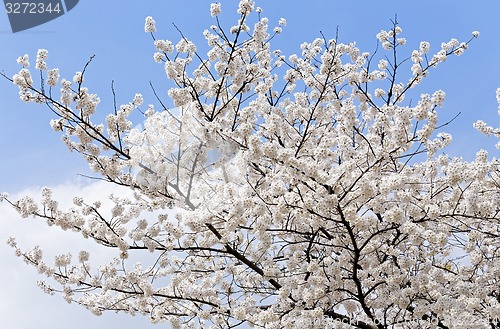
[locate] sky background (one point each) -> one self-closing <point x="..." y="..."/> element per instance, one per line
<point x="32" y="155"/>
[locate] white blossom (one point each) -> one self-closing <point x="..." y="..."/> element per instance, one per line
<point x="138" y="100"/>
<point x="53" y="77"/>
<point x="24" y="61"/>
<point x="78" y="77"/>
<point x="424" y="47"/>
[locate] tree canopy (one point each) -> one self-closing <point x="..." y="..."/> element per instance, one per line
<point x="280" y="191"/>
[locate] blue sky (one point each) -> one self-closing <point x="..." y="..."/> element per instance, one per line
<point x="33" y="156"/>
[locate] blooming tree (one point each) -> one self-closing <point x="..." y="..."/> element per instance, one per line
<point x="308" y="190"/>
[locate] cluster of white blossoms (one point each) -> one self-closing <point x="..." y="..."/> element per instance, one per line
<point x="390" y="39"/>
<point x="41" y="56"/>
<point x="150" y="25"/>
<point x="307" y="190"/>
<point x="215" y="9"/>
